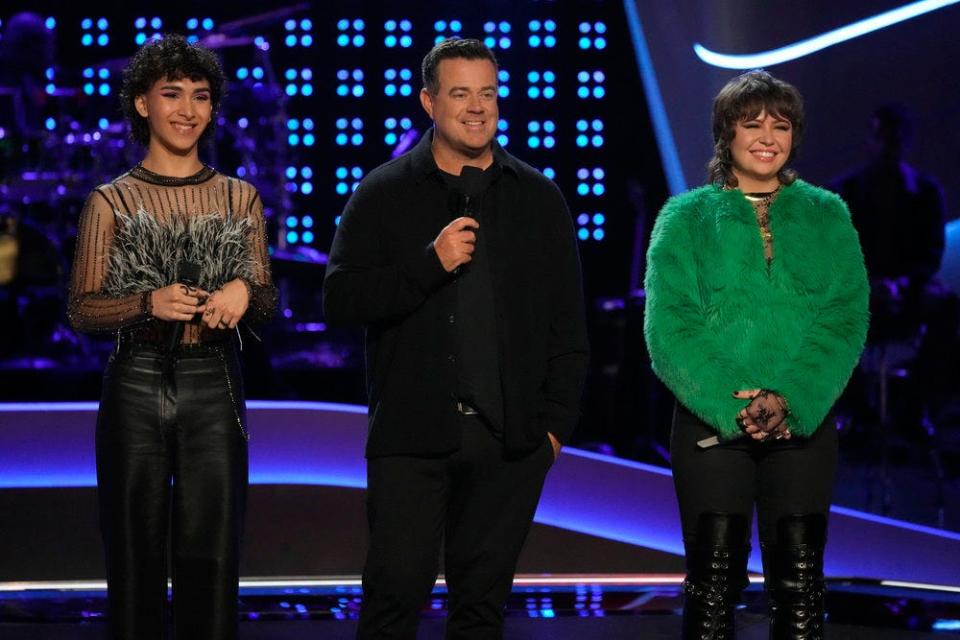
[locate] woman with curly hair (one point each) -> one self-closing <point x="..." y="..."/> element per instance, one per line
<point x="171" y="257"/>
<point x="756" y="316"/>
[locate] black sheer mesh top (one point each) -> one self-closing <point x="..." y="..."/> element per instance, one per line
<point x="136" y="230"/>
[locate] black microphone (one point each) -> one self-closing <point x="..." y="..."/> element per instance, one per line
<point x="188" y="273"/>
<point x="462" y="200"/>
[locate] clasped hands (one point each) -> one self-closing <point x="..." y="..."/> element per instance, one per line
<point x="765" y="416"/>
<point x="221" y="309"/>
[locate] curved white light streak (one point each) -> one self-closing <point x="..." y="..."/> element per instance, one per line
<point x="822" y="41"/>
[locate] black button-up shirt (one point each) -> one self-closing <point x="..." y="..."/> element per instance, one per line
<point x="477" y="354"/>
<point x="384" y="274"/>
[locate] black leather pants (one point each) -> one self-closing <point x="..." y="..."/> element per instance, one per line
<point x="172" y="457"/>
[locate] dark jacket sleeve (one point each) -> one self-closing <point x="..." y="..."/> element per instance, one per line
<point x="361" y="286"/>
<point x="567" y="344"/>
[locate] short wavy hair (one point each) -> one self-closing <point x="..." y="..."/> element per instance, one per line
<point x="467" y="48"/>
<point x="743" y="98"/>
<point x="169" y="58"/>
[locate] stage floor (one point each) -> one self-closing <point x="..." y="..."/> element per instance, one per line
<point x="540" y="608"/>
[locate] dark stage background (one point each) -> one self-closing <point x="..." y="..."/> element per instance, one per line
<point x="607" y="98"/>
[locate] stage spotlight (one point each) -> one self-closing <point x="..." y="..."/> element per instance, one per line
<point x="398" y="33"/>
<point x="541" y="85"/>
<point x="348" y="180"/>
<point x="541" y="134"/>
<point x="398" y="82"/>
<point x="395" y="127"/>
<point x="351" y="32"/>
<point x="349" y="83"/>
<point x="590" y="181"/>
<point x="446" y="29"/>
<point x="503" y="78"/>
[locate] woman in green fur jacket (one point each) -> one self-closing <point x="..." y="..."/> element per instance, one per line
<point x="756" y="316"/>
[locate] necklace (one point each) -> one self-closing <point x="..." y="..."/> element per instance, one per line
<point x="761" y="203"/>
<point x="761" y="206"/>
<point x="142" y="173"/>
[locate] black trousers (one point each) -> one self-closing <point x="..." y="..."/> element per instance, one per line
<point x="782" y="477"/>
<point x="479" y="503"/>
<point x="172" y="459"/>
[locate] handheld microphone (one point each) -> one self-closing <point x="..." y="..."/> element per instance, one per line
<point x="462" y="200"/>
<point x="188" y="273"/>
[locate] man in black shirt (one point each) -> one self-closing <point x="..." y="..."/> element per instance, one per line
<point x="461" y="263"/>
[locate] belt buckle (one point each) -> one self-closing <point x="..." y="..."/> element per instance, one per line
<point x="465" y="409"/>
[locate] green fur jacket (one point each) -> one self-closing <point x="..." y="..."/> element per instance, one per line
<point x="720" y="319"/>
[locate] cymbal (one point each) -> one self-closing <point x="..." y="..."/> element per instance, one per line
<point x="222" y="41"/>
<point x="263" y="18"/>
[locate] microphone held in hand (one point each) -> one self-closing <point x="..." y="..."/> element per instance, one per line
<point x="188" y="273"/>
<point x="464" y="196"/>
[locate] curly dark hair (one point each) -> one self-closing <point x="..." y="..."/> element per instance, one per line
<point x="742" y="98"/>
<point x="170" y="58"/>
<point x="467" y="48"/>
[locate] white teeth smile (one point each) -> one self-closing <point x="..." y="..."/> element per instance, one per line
<point x="764" y="155"/>
<point x="183" y="128"/>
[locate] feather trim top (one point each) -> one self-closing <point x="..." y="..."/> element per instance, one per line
<point x="146" y="251"/>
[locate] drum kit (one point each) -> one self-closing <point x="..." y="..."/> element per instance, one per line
<point x="56" y="146"/>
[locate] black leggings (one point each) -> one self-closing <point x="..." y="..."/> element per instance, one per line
<point x="783" y="477"/>
<point x="172" y="455"/>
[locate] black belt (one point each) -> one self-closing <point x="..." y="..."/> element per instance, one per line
<point x="127" y="343"/>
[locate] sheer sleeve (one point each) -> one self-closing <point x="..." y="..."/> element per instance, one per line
<point x="263" y="294"/>
<point x="89" y="308"/>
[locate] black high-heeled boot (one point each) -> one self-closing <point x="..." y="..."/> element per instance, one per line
<point x="793" y="577"/>
<point x="716" y="574"/>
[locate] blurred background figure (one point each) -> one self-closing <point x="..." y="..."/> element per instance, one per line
<point x="900" y="214"/>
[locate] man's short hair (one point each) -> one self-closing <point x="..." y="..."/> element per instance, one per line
<point x="171" y="58"/>
<point x="467" y="48"/>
